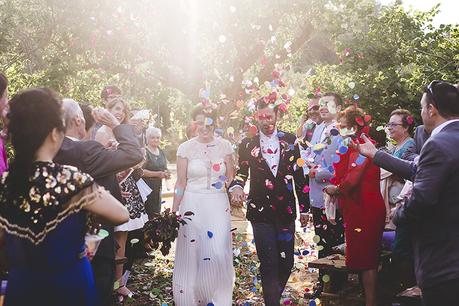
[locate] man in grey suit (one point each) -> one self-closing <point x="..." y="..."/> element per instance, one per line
<point x="432" y="211"/>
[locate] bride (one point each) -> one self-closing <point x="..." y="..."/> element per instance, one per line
<point x="203" y="270"/>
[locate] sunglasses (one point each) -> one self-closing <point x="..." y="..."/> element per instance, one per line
<point x="430" y="91"/>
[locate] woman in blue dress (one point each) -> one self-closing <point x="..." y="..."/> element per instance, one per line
<point x="44" y="209"/>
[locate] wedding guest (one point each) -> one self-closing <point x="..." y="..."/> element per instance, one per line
<point x="431" y="210"/>
<point x="268" y="157"/>
<point x="102" y="164"/>
<point x="44" y="209"/>
<point x="133" y="200"/>
<point x="323" y="146"/>
<point x="108" y="92"/>
<point x="356" y="185"/>
<point x="203" y="270"/>
<point x="154" y="170"/>
<point x="400" y="127"/>
<point x="3" y="111"/>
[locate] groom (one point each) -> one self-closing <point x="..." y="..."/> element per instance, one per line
<point x="270" y="157"/>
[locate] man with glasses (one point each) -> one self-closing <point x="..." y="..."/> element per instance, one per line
<point x="432" y="210"/>
<point x="318" y="155"/>
<point x="304" y="133"/>
<point x="309" y="120"/>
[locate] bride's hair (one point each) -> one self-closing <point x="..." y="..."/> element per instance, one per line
<point x="33" y="114"/>
<point x="206" y="111"/>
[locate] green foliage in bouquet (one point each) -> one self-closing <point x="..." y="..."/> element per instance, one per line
<point x="163" y="229"/>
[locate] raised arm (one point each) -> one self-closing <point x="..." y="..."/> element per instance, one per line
<point x="101" y="161"/>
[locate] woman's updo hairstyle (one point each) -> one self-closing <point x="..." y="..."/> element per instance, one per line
<point x="206" y="111"/>
<point x="112" y="102"/>
<point x="33" y="114"/>
<point x="354" y="116"/>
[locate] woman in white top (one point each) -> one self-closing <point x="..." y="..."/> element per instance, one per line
<point x="203" y="271"/>
<point x="131" y="194"/>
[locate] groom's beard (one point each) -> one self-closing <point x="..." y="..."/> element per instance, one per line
<point x="268" y="129"/>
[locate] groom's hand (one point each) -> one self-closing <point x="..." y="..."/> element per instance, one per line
<point x="237" y="195"/>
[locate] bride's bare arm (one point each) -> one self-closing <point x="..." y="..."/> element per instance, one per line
<point x="230" y="168"/>
<point x="180" y="185"/>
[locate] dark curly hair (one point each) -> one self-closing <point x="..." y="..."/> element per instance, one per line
<point x="407" y="119"/>
<point x="206" y="111"/>
<point x="33" y="114"/>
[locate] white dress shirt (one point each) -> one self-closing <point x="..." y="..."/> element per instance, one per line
<point x="270" y="150"/>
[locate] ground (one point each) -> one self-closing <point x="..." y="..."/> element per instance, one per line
<point x="151" y="279"/>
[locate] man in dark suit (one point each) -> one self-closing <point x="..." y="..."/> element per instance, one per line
<point x="270" y="157"/>
<point x="102" y="164"/>
<point x="432" y="210"/>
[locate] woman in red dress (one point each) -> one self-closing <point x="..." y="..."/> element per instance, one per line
<point x="356" y="185"/>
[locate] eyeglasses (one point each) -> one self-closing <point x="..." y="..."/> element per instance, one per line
<point x="430" y="91"/>
<point x="392" y="125"/>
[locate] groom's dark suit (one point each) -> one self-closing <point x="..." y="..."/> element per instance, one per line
<point x="271" y="209"/>
<point x="103" y="164"/>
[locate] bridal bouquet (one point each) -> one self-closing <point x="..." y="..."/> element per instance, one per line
<point x="163" y="229"/>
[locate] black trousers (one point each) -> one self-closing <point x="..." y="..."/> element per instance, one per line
<point x="444" y="294"/>
<point x="274" y="246"/>
<point x="103" y="269"/>
<point x="330" y="236"/>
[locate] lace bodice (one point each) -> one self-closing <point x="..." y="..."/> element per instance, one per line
<point x="206" y="164"/>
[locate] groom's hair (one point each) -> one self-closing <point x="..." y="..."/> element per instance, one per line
<point x="261" y="104"/>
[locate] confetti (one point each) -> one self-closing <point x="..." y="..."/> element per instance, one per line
<point x="343" y="150"/>
<point x="316" y="239"/>
<point x="282" y="254"/>
<point x="134" y="241"/>
<point x="326" y="278"/>
<point x="216" y="167"/>
<point x="318" y="147"/>
<point x="356" y="97"/>
<point x="351" y="85"/>
<point x="306" y="189"/>
<point x="360" y="160"/>
<point x="218" y="185"/>
<point x="358" y="230"/>
<point x="210" y="234"/>
<point x="300" y="162"/>
<point x="269" y="184"/>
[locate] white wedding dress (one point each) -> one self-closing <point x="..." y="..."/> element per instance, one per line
<point x="203" y="270"/>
